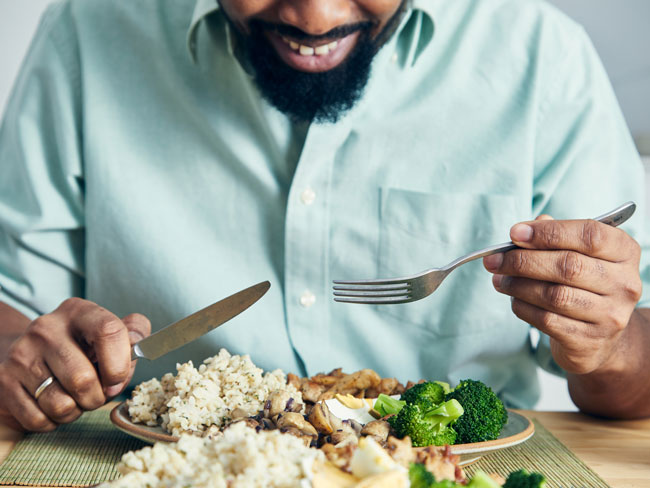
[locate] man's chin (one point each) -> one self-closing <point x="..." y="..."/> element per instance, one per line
<point x="308" y="59"/>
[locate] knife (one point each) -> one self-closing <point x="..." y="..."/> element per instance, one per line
<point x="194" y="326"/>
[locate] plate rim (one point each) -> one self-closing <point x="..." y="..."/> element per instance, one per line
<point x="501" y="443"/>
<point x="119" y="413"/>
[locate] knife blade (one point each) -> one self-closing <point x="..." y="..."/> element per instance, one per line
<point x="199" y="323"/>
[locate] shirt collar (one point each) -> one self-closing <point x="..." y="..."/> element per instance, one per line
<point x="203" y="8"/>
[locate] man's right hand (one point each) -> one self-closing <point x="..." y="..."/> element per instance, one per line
<point x="84" y="347"/>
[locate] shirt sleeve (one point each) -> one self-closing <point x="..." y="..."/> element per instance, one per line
<point x="41" y="188"/>
<point x="586" y="162"/>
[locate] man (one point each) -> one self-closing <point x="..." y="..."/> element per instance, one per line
<point x="159" y="155"/>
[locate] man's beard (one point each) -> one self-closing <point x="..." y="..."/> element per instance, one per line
<point x="319" y="97"/>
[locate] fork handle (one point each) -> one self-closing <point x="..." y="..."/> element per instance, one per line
<point x="614" y="218"/>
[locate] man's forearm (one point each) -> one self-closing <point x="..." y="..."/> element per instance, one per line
<point x="12" y="325"/>
<point x="621" y="388"/>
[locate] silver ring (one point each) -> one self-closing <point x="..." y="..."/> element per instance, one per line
<point x="48" y="381"/>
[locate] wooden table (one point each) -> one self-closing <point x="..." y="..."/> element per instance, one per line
<point x="618" y="450"/>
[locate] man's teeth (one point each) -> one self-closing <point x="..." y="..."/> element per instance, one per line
<point x="311" y="51"/>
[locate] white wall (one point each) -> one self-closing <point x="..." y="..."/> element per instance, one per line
<point x="620" y="31"/>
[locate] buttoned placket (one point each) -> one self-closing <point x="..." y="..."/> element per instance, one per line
<point x="307" y="294"/>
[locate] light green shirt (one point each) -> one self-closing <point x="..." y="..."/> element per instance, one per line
<point x="140" y="168"/>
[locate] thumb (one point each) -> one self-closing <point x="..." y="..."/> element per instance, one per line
<point x="138" y="326"/>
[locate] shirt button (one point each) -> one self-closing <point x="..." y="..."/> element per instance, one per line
<point x="308" y="196"/>
<point x="307" y="299"/>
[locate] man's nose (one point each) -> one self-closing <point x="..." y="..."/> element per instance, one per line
<point x="315" y="17"/>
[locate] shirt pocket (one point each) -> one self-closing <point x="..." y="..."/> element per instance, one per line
<point x="419" y="231"/>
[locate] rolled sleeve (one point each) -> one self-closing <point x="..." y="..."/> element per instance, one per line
<point x="586" y="161"/>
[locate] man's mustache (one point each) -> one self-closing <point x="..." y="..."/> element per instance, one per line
<point x="297" y="34"/>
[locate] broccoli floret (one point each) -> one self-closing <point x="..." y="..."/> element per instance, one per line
<point x="485" y="415"/>
<point x="482" y="480"/>
<point x="525" y="479"/>
<point x="427" y="424"/>
<point x="387" y="405"/>
<point x="429" y="391"/>
<point x="421" y="478"/>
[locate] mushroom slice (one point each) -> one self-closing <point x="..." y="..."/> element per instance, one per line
<point x="379" y="429"/>
<point x="294" y="419"/>
<point x="319" y="417"/>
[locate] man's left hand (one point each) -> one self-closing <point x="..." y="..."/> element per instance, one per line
<point x="575" y="280"/>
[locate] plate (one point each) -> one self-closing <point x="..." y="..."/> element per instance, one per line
<point x="518" y="429"/>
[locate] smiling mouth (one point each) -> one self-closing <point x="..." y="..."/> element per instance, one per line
<point x="312" y="57"/>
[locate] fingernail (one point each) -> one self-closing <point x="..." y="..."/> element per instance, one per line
<point x="493" y="262"/>
<point x="135" y="336"/>
<point x="113" y="390"/>
<point x="521" y="233"/>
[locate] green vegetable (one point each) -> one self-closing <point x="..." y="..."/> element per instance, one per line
<point x="482" y="480"/>
<point x="426" y="423"/>
<point x="421" y="478"/>
<point x="387" y="405"/>
<point x="525" y="479"/>
<point x="431" y="392"/>
<point x="445" y="386"/>
<point x="485" y="415"/>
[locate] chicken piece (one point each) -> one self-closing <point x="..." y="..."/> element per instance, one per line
<point x="377" y="429"/>
<point x="388" y="386"/>
<point x="311" y="391"/>
<point x="294" y="380"/>
<point x="353" y="384"/>
<point x="294" y="419"/>
<point x="441" y="462"/>
<point x="401" y="450"/>
<point x="328" y="379"/>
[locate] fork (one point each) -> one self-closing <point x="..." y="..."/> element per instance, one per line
<point x="418" y="286"/>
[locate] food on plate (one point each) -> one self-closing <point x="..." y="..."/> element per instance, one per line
<point x="239" y="457"/>
<point x="242" y="456"/>
<point x="238" y="418"/>
<point x="420" y="477"/>
<point x="427" y="423"/>
<point x="365" y="383"/>
<point x="202" y="400"/>
<point x="228" y="388"/>
<point x="430" y="413"/>
<point x="485" y="415"/>
<point x="523" y="478"/>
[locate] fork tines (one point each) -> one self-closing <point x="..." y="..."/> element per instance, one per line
<point x="372" y="291"/>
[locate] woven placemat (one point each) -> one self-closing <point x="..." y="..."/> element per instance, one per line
<point x="545" y="454"/>
<point x="85" y="453"/>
